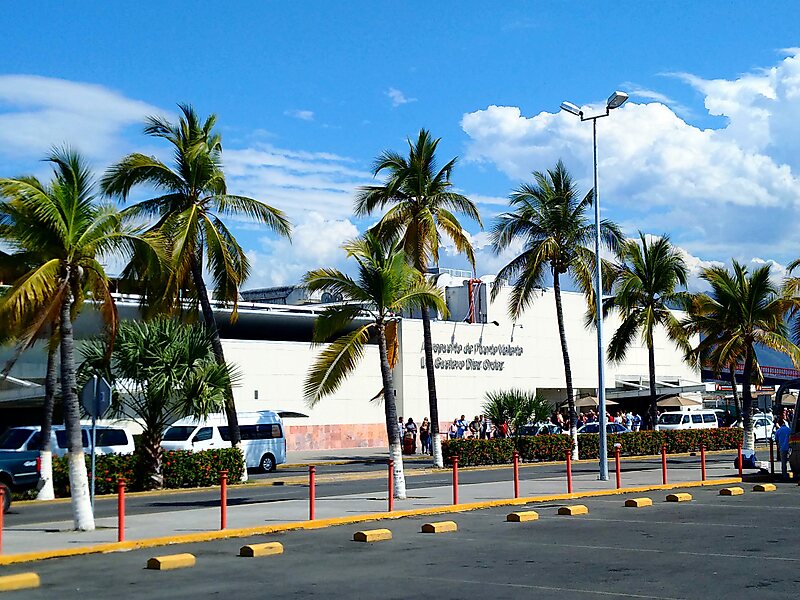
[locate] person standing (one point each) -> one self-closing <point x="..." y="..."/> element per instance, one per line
<point x="474" y="427"/>
<point x="411" y="430"/>
<point x="782" y="434"/>
<point x="486" y="428"/>
<point x="425" y="436"/>
<point x="462" y="426"/>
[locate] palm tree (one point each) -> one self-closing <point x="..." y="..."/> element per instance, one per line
<point x="164" y="370"/>
<point x="193" y="199"/>
<point x="740" y="311"/>
<point x="12" y="267"/>
<point x="63" y="225"/>
<point x="644" y="293"/>
<point x="515" y="406"/>
<point x="422" y="201"/>
<point x="385" y="286"/>
<point x="550" y="219"/>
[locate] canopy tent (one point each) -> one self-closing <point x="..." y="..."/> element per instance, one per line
<point x="591" y="402"/>
<point x="677" y="401"/>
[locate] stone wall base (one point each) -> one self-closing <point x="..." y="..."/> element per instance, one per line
<point x="331" y="437"/>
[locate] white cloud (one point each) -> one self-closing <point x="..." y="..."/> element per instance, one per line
<point x="731" y="191"/>
<point x="316" y="242"/>
<point x="37" y="113"/>
<point x="295" y="181"/>
<point x="397" y="97"/>
<point x="303" y="115"/>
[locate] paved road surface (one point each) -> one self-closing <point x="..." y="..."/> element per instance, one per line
<point x="714" y="547"/>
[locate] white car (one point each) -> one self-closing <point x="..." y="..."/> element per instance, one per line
<point x="763" y="427"/>
<point x="110" y="439"/>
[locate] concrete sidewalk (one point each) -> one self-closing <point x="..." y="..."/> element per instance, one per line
<point x="185" y="519"/>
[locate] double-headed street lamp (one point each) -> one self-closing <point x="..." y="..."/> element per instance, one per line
<point x="616" y="100"/>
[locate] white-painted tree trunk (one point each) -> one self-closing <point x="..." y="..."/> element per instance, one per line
<point x="396" y="453"/>
<point x="46" y="492"/>
<point x="573" y="433"/>
<point x="438" y="458"/>
<point x="244" y="458"/>
<point x="79" y="492"/>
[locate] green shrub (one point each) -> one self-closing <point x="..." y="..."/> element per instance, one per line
<point x="501" y="450"/>
<point x="555" y="447"/>
<point x="181" y="469"/>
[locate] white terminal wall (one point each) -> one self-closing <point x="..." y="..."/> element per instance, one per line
<point x="277" y="369"/>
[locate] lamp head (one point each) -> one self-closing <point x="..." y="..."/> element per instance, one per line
<point x="616" y="100"/>
<point x="571" y="108"/>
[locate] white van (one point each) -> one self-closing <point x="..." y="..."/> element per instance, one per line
<point x="687" y="419"/>
<point x="110" y="439"/>
<point x="263" y="441"/>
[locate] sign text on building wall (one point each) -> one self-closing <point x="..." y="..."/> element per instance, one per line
<point x="464" y="353"/>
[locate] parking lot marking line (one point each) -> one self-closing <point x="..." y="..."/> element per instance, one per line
<point x="548" y="588"/>
<point x="656" y="551"/>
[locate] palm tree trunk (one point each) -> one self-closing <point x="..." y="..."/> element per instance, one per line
<point x="573" y="416"/>
<point x="78" y="478"/>
<point x="736" y="404"/>
<point x="747" y="399"/>
<point x="216" y="344"/>
<point x="151" y="455"/>
<point x="433" y="403"/>
<point x="45" y="451"/>
<point x="390" y="408"/>
<point x="652" y="412"/>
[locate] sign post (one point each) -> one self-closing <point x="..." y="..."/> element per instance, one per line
<point x="95" y="399"/>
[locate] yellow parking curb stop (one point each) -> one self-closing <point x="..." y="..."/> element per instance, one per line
<point x="638" y="502"/>
<point x="765" y="487"/>
<point x="20" y="581"/>
<point x="266" y="549"/>
<point x="731" y="491"/>
<point x="576" y="509"/>
<point x="171" y="561"/>
<point x="372" y="535"/>
<point x="679" y="497"/>
<point x="523" y="516"/>
<point x="440" y="527"/>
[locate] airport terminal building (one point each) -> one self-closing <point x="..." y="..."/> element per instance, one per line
<point x="477" y="349"/>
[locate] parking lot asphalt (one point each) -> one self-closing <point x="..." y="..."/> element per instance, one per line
<point x="712" y="547"/>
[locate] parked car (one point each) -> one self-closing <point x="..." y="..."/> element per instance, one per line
<point x="263" y="441"/>
<point x="610" y="428"/>
<point x="110" y="439"/>
<point x="541" y="429"/>
<point x="763" y="427"/>
<point x="687" y="419"/>
<point x="19" y="472"/>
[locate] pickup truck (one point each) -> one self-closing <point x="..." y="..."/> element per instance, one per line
<point x="19" y="472"/>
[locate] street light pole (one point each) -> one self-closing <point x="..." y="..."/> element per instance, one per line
<point x="616" y="100"/>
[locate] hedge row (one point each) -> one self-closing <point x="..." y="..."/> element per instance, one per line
<point x="181" y="469"/>
<point x="555" y="447"/>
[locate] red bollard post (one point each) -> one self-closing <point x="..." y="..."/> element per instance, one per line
<point x="2" y="508"/>
<point x="455" y="480"/>
<point x="121" y="510"/>
<point x="569" y="471"/>
<point x="664" y="464"/>
<point x="771" y="457"/>
<point x="740" y="459"/>
<point x="516" y="474"/>
<point x="391" y="485"/>
<point x="702" y="462"/>
<point x="619" y="469"/>
<point x="312" y="491"/>
<point x="223" y="499"/>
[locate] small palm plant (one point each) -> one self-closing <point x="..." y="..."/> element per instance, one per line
<point x="385" y="285"/>
<point x="163" y="370"/>
<point x="517" y="407"/>
<point x="646" y="290"/>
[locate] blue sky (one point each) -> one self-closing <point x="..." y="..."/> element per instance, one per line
<point x="307" y="94"/>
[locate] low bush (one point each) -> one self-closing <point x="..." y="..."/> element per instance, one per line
<point x="181" y="469"/>
<point x="554" y="447"/>
<point x="498" y="451"/>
